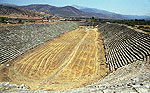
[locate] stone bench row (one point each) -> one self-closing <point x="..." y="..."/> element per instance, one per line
<point x="123" y="45"/>
<point x="25" y="37"/>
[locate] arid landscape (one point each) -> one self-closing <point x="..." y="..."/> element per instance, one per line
<point x="72" y="49"/>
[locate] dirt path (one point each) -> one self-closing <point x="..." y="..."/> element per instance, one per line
<point x="75" y="59"/>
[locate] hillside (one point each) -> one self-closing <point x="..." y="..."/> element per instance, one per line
<point x="19" y="12"/>
<point x="93" y="10"/>
<point x="112" y="14"/>
<point x="67" y="11"/>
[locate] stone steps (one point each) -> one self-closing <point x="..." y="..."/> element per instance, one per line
<point x="123" y="45"/>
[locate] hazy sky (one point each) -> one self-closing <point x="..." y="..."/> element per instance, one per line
<point x="131" y="7"/>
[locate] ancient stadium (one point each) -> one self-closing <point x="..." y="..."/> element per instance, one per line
<point x="73" y="57"/>
<point x="73" y="49"/>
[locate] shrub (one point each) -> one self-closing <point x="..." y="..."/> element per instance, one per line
<point x="147" y="27"/>
<point x="140" y="27"/>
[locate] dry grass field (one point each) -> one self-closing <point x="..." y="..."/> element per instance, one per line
<point x="75" y="59"/>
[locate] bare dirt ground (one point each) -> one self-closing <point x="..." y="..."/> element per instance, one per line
<point x="73" y="60"/>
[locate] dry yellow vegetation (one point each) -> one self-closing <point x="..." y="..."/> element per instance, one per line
<point x="75" y="59"/>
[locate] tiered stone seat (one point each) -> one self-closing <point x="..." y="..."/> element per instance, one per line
<point x="7" y="54"/>
<point x="15" y="40"/>
<point x="123" y="45"/>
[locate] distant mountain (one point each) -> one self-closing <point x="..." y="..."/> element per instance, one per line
<point x="38" y="7"/>
<point x="67" y="11"/>
<point x="147" y="18"/>
<point x="120" y="16"/>
<point x="19" y="12"/>
<point x="11" y="5"/>
<point x="94" y="10"/>
<point x="78" y="7"/>
<point x="136" y="17"/>
<point x="77" y="11"/>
